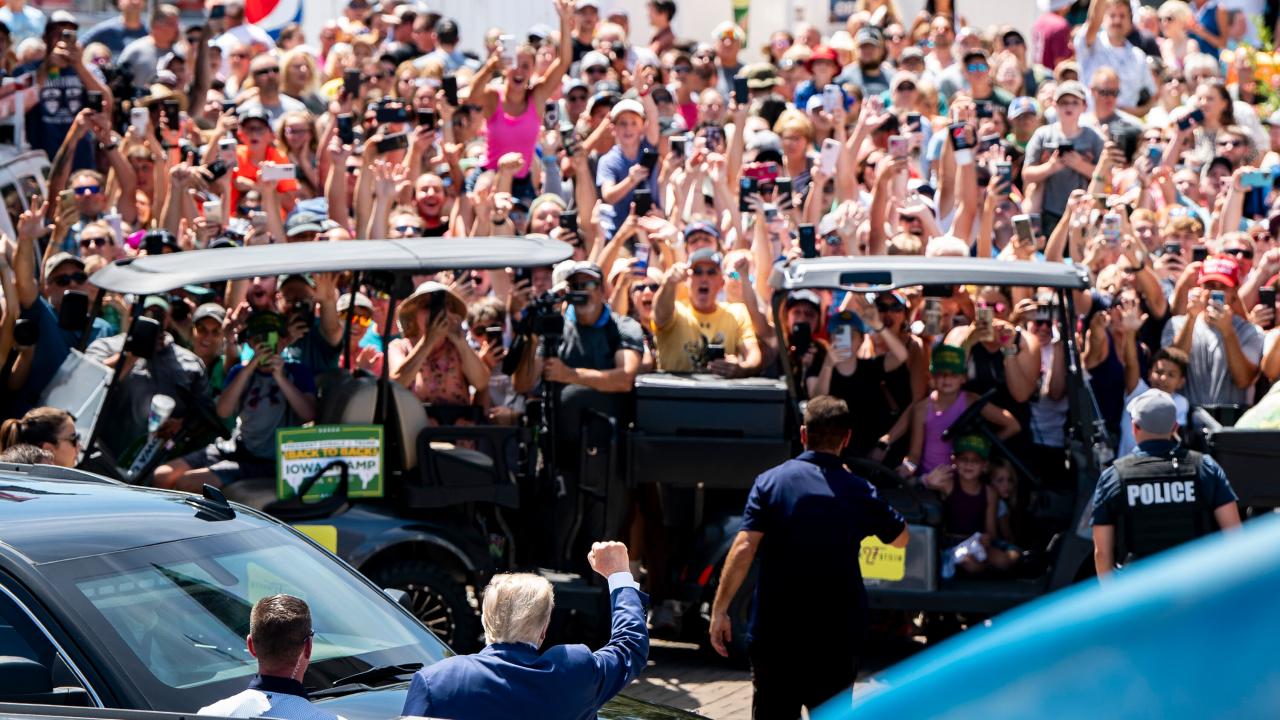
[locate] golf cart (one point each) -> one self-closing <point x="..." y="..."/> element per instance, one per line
<point x="437" y="530"/>
<point x="916" y="583"/>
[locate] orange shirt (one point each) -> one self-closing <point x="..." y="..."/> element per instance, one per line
<point x="247" y="170"/>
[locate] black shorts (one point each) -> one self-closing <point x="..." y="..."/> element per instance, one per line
<point x="230" y="465"/>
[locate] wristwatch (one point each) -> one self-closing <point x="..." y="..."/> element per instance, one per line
<point x="1009" y="351"/>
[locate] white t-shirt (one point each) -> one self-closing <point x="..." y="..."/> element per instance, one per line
<point x="1128" y="61"/>
<point x="1127" y="442"/>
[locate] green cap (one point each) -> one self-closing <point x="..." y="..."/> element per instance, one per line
<point x="971" y="443"/>
<point x="948" y="358"/>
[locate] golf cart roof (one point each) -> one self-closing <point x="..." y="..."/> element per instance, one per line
<point x="161" y="273"/>
<point x="887" y="272"/>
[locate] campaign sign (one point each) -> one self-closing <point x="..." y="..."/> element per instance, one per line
<point x="302" y="452"/>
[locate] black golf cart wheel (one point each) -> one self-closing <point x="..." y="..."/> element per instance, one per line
<point x="437" y="599"/>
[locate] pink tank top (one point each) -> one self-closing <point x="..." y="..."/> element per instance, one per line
<point x="508" y="134"/>
<point x="936" y="450"/>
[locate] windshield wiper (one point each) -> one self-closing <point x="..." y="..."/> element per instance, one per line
<point x="367" y="679"/>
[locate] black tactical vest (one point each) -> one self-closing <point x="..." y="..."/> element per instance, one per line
<point x="1162" y="503"/>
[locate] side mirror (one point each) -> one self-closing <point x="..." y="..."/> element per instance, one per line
<point x="401" y="597"/>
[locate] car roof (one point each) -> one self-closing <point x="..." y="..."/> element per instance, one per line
<point x="878" y="273"/>
<point x="1186" y="633"/>
<point x="161" y="273"/>
<point x="47" y="519"/>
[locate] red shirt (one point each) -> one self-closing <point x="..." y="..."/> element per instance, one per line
<point x="1051" y="40"/>
<point x="248" y="170"/>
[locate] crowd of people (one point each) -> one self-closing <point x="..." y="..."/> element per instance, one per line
<point x="1132" y="140"/>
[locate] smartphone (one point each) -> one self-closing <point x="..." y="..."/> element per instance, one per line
<point x="569" y="221"/>
<point x="829" y="156"/>
<point x="898" y="146"/>
<point x="69" y="36"/>
<point x="648" y="158"/>
<point x="144" y="332"/>
<point x="391" y="143"/>
<point x="73" y="314"/>
<point x="808" y="239"/>
<point x="93" y="100"/>
<point x="1199" y="253"/>
<point x="522" y="274"/>
<point x="1218" y="298"/>
<point x="715" y="351"/>
<point x="449" y="84"/>
<point x="842" y="339"/>
<point x="985" y="109"/>
<point x="1155" y="154"/>
<point x="676" y="146"/>
<point x="800" y="338"/>
<point x="1004" y="171"/>
<point x="832" y="98"/>
<point x="140" y="119"/>
<point x="551" y="115"/>
<point x="983" y="315"/>
<point x="258" y="219"/>
<point x="26" y="332"/>
<point x="914" y="121"/>
<point x="494" y="335"/>
<point x="213" y="211"/>
<point x="960" y="142"/>
<point x="643" y="200"/>
<point x="715" y="138"/>
<point x="1065" y="147"/>
<point x="1267" y="296"/>
<point x="1111" y="228"/>
<point x="747" y="187"/>
<point x="427" y="118"/>
<point x="508" y="45"/>
<point x="346" y="129"/>
<point x="218" y="12"/>
<point x="392" y="113"/>
<point x="172" y="113"/>
<point x="1022" y="227"/>
<point x="1257" y="179"/>
<point x="741" y="93"/>
<point x="641" y="266"/>
<point x="932" y="316"/>
<point x="986" y="142"/>
<point x="351" y="82"/>
<point x="287" y="171"/>
<point x="784" y="187"/>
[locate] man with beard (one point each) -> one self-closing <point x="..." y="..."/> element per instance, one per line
<point x="265" y="70"/>
<point x="704" y="333"/>
<point x="870" y="71"/>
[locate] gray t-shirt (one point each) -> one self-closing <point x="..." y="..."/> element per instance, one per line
<point x="1058" y="186"/>
<point x="141" y="58"/>
<point x="1208" y="378"/>
<point x="264" y="409"/>
<point x="277" y="110"/>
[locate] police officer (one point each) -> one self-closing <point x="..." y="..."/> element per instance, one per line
<point x="1160" y="496"/>
<point x="806" y="519"/>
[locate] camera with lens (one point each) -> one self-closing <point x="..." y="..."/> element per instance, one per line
<point x="545" y="318"/>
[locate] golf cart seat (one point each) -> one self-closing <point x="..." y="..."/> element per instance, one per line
<point x="464" y="464"/>
<point x="260" y="494"/>
<point x="352" y="402"/>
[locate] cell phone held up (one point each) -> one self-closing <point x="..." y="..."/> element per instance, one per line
<point x="648" y="158"/>
<point x="93" y="100"/>
<point x="346" y="129"/>
<point x="808" y="240"/>
<point x="961" y="142"/>
<point x="391" y="143"/>
<point x="351" y="82"/>
<point x="747" y="187"/>
<point x="449" y="84"/>
<point x="643" y="201"/>
<point x="741" y="93"/>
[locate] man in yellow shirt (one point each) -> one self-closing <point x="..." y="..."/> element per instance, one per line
<point x="703" y="335"/>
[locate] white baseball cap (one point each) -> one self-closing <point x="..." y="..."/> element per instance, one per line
<point x="625" y="106"/>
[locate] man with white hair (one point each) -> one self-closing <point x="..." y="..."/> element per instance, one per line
<point x="512" y="678"/>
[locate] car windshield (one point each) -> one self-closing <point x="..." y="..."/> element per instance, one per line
<point x="173" y="617"/>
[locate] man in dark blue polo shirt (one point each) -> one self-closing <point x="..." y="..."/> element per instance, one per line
<point x="806" y="518"/>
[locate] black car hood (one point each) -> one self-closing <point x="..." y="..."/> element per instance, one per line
<point x="386" y="702"/>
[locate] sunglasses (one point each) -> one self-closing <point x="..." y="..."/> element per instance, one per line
<point x="75" y="278"/>
<point x="409" y="229"/>
<point x="706" y="272"/>
<point x="596" y="70"/>
<point x="889" y="307"/>
<point x="85" y="190"/>
<point x="978" y="67"/>
<point x="585" y="285"/>
<point x="1106" y="92"/>
<point x="576" y="98"/>
<point x="683" y="68"/>
<point x="74" y="438"/>
<point x="1245" y="253"/>
<point x="297" y="130"/>
<point x="266" y="71"/>
<point x="98" y="241"/>
<point x="361" y="320"/>
<point x="641" y="287"/>
<point x="906" y="87"/>
<point x="1231" y="143"/>
<point x="1013" y="40"/>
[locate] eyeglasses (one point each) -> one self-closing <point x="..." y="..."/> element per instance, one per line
<point x="298" y="130"/>
<point x="1106" y="92"/>
<point x="361" y="320"/>
<point x="1013" y="40"/>
<point x="895" y="37"/>
<point x="1167" y="18"/>
<point x="596" y="70"/>
<point x="1245" y="253"/>
<point x="906" y="87"/>
<point x="85" y="190"/>
<point x="409" y="229"/>
<point x="585" y="285"/>
<point x="706" y="272"/>
<point x="98" y="241"/>
<point x="641" y="287"/>
<point x="242" y="55"/>
<point x="74" y="439"/>
<point x="978" y="67"/>
<point x="683" y="68"/>
<point x="576" y="97"/>
<point x="75" y="278"/>
<point x="266" y="71"/>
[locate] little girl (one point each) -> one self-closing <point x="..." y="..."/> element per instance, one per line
<point x="969" y="505"/>
<point x="930" y="417"/>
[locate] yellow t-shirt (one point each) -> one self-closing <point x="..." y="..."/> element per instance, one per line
<point x="681" y="343"/>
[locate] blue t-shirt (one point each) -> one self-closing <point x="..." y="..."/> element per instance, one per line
<point x="1207" y="18"/>
<point x="613" y="167"/>
<point x="1212" y="483"/>
<point x="52" y="348"/>
<point x="113" y="34"/>
<point x="814" y="514"/>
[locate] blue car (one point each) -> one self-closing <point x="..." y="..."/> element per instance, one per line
<point x="1188" y="634"/>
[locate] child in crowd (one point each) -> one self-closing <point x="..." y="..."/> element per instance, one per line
<point x="1168" y="373"/>
<point x="970" y="505"/>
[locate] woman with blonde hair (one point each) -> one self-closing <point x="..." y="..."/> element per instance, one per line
<point x="796" y="132"/>
<point x="297" y="140"/>
<point x="1175" y="43"/>
<point x="300" y="79"/>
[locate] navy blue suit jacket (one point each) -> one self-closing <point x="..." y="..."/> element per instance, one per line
<point x="567" y="682"/>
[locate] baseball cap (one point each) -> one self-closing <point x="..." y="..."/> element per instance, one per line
<point x="209" y="310"/>
<point x="975" y="444"/>
<point x="1070" y="87"/>
<point x="159" y="301"/>
<point x="760" y="76"/>
<point x="828" y="224"/>
<point x="947" y="358"/>
<point x="362" y="301"/>
<point x="262" y="322"/>
<point x="58" y="258"/>
<point x="62" y="17"/>
<point x="1222" y="269"/>
<point x="975" y="54"/>
<point x="903" y="76"/>
<point x="1274" y="119"/>
<point x="626" y="106"/>
<point x="1023" y="106"/>
<point x="282" y="279"/>
<point x="804" y="296"/>
<point x="911" y="52"/>
<point x="705" y="255"/>
<point x="726" y="28"/>
<point x="869" y="35"/>
<point x="1154" y="411"/>
<point x="846" y="317"/>
<point x="822" y="52"/>
<point x="581" y="4"/>
<point x="253" y="111"/>
<point x="303" y="222"/>
<point x="701" y="226"/>
<point x="594" y="59"/>
<point x="841" y="40"/>
<point x="586" y="267"/>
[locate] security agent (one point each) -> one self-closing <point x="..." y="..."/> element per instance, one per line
<point x="1160" y="496"/>
<point x="280" y="637"/>
<point x="806" y="518"/>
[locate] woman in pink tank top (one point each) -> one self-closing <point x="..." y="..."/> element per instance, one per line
<point x="514" y="111"/>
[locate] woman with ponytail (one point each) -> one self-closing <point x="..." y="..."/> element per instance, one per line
<point x="44" y="427"/>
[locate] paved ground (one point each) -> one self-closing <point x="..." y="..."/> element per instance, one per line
<point x="681" y="676"/>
